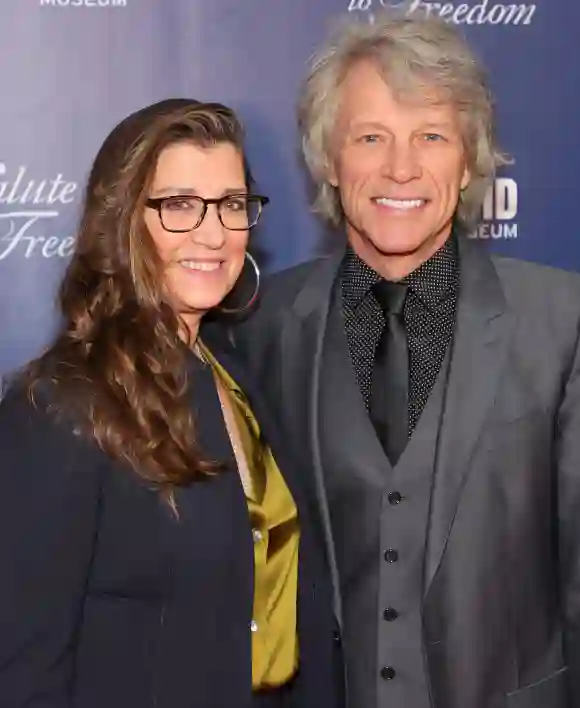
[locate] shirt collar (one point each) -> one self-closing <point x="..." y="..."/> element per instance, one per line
<point x="357" y="279"/>
<point x="431" y="282"/>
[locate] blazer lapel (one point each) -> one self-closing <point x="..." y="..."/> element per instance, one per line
<point x="478" y="354"/>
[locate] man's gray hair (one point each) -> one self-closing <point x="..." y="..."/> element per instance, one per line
<point x="418" y="56"/>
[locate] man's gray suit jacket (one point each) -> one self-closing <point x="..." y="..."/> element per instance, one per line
<point x="499" y="600"/>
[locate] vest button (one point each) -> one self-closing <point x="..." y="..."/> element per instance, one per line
<point x="390" y="614"/>
<point x="394" y="498"/>
<point x="388" y="673"/>
<point x="391" y="555"/>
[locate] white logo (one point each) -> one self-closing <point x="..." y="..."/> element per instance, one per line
<point x="484" y="12"/>
<point x="500" y="208"/>
<point x="26" y="205"/>
<point x="83" y="3"/>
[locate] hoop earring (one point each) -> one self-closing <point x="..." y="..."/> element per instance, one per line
<point x="253" y="297"/>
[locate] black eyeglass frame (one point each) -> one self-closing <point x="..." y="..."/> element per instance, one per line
<point x="157" y="204"/>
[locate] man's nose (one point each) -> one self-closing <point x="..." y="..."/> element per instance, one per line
<point x="401" y="162"/>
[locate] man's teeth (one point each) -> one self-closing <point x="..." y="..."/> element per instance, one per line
<point x="197" y="265"/>
<point x="400" y="203"/>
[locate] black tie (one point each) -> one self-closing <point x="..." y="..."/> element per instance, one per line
<point x="389" y="407"/>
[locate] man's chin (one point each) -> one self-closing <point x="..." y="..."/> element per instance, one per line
<point x="401" y="246"/>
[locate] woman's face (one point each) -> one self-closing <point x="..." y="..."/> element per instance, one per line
<point x="204" y="260"/>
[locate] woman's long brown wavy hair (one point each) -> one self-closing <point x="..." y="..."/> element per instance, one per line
<point x="118" y="361"/>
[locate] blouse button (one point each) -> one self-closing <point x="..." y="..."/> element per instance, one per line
<point x="258" y="535"/>
<point x="253" y="626"/>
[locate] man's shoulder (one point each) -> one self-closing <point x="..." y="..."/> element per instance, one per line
<point x="532" y="270"/>
<point x="280" y="289"/>
<point x="290" y="280"/>
<point x="538" y="283"/>
<point x="278" y="294"/>
<point x="545" y="301"/>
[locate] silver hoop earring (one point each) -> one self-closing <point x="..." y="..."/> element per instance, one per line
<point x="253" y="297"/>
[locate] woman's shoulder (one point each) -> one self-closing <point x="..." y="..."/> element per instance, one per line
<point x="27" y="404"/>
<point x="51" y="476"/>
<point x="42" y="444"/>
<point x="31" y="408"/>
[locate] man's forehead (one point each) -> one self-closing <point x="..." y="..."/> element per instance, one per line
<point x="418" y="109"/>
<point x="407" y="88"/>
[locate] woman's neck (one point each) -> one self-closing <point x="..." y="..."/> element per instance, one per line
<point x="189" y="329"/>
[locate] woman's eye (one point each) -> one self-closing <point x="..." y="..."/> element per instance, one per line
<point x="179" y="204"/>
<point x="236" y="204"/>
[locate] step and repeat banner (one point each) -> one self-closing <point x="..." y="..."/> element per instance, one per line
<point x="71" y="69"/>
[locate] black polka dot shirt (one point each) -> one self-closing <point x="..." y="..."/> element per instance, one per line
<point x="429" y="315"/>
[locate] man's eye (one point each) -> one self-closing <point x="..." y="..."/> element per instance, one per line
<point x="370" y="138"/>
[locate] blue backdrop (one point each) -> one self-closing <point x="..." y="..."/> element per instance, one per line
<point x="71" y="69"/>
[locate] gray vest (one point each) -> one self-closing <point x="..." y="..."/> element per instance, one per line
<point x="379" y="517"/>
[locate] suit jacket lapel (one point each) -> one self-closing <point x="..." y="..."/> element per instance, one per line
<point x="478" y="353"/>
<point x="301" y="348"/>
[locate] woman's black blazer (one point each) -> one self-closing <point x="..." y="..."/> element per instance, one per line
<point x="108" y="601"/>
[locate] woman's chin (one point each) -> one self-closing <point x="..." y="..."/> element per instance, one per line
<point x="202" y="303"/>
<point x="199" y="309"/>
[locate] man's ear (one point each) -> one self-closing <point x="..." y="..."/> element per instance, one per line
<point x="331" y="174"/>
<point x="466" y="178"/>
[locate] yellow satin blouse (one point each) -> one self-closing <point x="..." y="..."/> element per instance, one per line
<point x="276" y="533"/>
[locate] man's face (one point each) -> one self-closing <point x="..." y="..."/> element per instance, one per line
<point x="399" y="168"/>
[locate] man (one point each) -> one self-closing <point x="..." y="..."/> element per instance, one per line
<point x="433" y="388"/>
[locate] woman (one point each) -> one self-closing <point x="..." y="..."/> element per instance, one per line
<point x="150" y="546"/>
